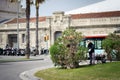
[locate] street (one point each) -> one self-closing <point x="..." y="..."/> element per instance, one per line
<point x="12" y="70"/>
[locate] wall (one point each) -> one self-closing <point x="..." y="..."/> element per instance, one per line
<point x="59" y="22"/>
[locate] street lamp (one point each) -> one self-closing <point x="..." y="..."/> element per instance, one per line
<point x="18" y="24"/>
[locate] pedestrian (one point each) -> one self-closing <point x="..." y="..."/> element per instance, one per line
<point x="91" y="51"/>
<point x="7" y="46"/>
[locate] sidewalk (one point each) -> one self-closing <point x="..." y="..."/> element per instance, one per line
<point x="29" y="75"/>
<point x="20" y="58"/>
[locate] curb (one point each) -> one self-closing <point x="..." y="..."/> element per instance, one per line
<point x="3" y="61"/>
<point x="29" y="75"/>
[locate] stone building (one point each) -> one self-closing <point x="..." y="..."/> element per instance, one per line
<point x="9" y="9"/>
<point x="90" y="24"/>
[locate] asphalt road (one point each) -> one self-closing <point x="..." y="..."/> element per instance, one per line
<point x="12" y="70"/>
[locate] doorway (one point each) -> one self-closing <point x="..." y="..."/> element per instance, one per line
<point x="57" y="35"/>
<point x="12" y="40"/>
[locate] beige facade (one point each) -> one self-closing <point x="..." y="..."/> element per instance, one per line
<point x="90" y="24"/>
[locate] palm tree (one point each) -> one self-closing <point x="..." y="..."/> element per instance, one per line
<point x="37" y="2"/>
<point x="27" y="29"/>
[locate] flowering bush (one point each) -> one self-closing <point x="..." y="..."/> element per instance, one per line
<point x="66" y="52"/>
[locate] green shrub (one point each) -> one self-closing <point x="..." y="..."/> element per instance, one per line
<point x="66" y="52"/>
<point x="111" y="44"/>
<point x="57" y="52"/>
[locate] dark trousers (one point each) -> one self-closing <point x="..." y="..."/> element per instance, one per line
<point x="90" y="55"/>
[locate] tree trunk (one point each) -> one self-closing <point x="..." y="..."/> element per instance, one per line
<point x="37" y="15"/>
<point x="27" y="29"/>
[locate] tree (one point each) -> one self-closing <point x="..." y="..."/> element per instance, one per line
<point x="37" y="2"/>
<point x="66" y="52"/>
<point x="112" y="45"/>
<point x="27" y="29"/>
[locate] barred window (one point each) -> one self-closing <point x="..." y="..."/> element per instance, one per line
<point x="23" y="38"/>
<point x="0" y="38"/>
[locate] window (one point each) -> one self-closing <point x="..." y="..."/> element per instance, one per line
<point x="23" y="38"/>
<point x="0" y="38"/>
<point x="99" y="44"/>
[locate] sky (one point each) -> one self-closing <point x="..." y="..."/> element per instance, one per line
<point x="50" y="6"/>
<point x="103" y="6"/>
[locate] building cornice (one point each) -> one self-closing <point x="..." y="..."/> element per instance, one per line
<point x="96" y="26"/>
<point x="12" y="12"/>
<point x="14" y="30"/>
